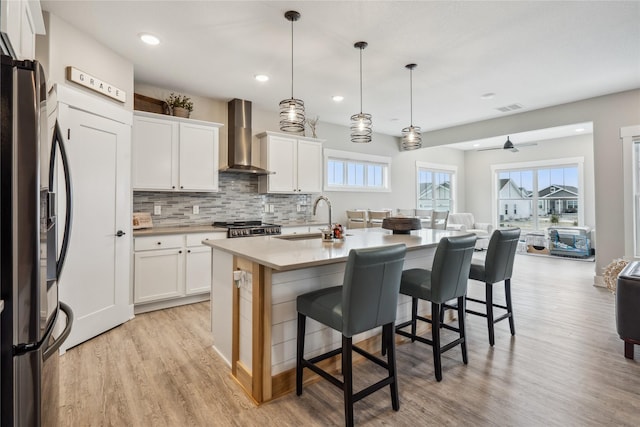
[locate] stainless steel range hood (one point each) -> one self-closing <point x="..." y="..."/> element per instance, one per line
<point x="239" y="145"/>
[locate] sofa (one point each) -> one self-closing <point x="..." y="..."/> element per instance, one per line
<point x="627" y="307"/>
<point x="467" y="222"/>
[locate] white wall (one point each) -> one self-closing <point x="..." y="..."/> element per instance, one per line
<point x="64" y="45"/>
<point x="479" y="181"/>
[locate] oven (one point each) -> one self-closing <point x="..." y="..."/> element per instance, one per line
<point x="237" y="229"/>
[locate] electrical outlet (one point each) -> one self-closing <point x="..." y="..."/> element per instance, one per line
<point x="298" y="208"/>
<point x="196" y="209"/>
<point x="271" y="210"/>
<point x="157" y="210"/>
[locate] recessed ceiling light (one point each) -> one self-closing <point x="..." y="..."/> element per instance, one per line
<point x="489" y="95"/>
<point x="579" y="129"/>
<point x="149" y="39"/>
<point x="262" y="77"/>
<point x="337" y="98"/>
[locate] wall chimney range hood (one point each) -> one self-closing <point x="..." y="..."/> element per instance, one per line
<point x="239" y="145"/>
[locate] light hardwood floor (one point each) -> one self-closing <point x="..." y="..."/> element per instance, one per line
<point x="564" y="367"/>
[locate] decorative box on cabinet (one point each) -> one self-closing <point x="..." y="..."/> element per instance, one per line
<point x="296" y="163"/>
<point x="174" y="154"/>
<point x="171" y="270"/>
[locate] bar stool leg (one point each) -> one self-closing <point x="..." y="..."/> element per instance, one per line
<point x="391" y="362"/>
<point x="461" y="326"/>
<point x="435" y="337"/>
<point x="300" y="353"/>
<point x="347" y="380"/>
<point x="507" y="293"/>
<point x="489" y="303"/>
<point x="414" y="315"/>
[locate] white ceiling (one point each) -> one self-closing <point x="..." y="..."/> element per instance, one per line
<point x="531" y="53"/>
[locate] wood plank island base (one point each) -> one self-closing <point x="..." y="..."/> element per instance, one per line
<point x="253" y="312"/>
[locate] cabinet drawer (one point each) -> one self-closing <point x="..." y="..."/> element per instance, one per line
<point x="157" y="242"/>
<point x="197" y="238"/>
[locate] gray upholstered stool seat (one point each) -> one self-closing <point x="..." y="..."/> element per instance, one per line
<point x="367" y="299"/>
<point x="446" y="280"/>
<point x="497" y="267"/>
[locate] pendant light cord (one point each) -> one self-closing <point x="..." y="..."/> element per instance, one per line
<point x="411" y="95"/>
<point x="291" y="59"/>
<point x="360" y="80"/>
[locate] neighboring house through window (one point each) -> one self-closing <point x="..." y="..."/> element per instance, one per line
<point x="552" y="187"/>
<point x="435" y="186"/>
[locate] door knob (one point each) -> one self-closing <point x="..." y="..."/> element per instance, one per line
<point x="120" y="233"/>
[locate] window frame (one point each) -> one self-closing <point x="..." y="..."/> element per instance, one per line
<point x="630" y="136"/>
<point x="435" y="168"/>
<point x="366" y="160"/>
<point x="538" y="164"/>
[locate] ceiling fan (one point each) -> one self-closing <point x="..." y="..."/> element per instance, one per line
<point x="508" y="145"/>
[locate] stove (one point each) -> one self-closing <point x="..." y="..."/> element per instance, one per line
<point x="248" y="228"/>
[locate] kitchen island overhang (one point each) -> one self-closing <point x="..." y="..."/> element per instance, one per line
<point x="253" y="319"/>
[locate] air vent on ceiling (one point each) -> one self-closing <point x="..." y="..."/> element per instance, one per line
<point x="509" y="108"/>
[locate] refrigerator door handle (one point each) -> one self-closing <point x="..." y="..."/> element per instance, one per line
<point x="58" y="141"/>
<point x="24" y="348"/>
<point x="63" y="336"/>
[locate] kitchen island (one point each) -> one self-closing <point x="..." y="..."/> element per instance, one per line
<point x="255" y="282"/>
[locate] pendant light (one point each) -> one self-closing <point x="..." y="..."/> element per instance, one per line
<point x="411" y="136"/>
<point x="292" y="109"/>
<point x="361" y="123"/>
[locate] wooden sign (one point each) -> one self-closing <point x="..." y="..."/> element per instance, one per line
<point x="93" y="83"/>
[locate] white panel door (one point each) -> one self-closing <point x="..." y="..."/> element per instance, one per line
<point x="309" y="167"/>
<point x="198" y="157"/>
<point x="95" y="278"/>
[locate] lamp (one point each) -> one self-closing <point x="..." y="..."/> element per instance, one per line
<point x="411" y="136"/>
<point x="292" y="109"/>
<point x="361" y="123"/>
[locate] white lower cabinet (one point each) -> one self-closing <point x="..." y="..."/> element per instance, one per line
<point x="172" y="267"/>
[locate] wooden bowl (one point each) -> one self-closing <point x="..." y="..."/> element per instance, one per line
<point x="401" y="225"/>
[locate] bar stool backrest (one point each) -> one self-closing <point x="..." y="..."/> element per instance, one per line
<point x="451" y="265"/>
<point x="370" y="288"/>
<point x="498" y="264"/>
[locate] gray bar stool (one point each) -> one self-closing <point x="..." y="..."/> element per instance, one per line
<point x="445" y="281"/>
<point x="367" y="299"/>
<point x="497" y="267"/>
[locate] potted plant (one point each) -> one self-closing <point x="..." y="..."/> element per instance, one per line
<point x="179" y="105"/>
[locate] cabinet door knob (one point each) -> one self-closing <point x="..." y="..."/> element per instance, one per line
<point x="159" y="243"/>
<point x="179" y="252"/>
<point x="120" y="233"/>
<point x="173" y="186"/>
<point x="188" y="251"/>
<point x="181" y="186"/>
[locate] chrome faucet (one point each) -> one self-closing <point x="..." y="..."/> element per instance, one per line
<point x="315" y="206"/>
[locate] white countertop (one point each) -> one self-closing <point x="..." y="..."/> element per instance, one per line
<point x="158" y="231"/>
<point x="281" y="254"/>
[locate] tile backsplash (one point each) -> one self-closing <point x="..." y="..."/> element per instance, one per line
<point x="237" y="200"/>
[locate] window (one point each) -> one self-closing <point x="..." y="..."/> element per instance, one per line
<point x="552" y="187"/>
<point x="349" y="171"/>
<point x="435" y="186"/>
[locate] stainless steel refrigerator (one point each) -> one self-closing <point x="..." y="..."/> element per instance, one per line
<point x="32" y="324"/>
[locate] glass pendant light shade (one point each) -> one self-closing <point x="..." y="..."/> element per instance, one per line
<point x="361" y="124"/>
<point x="292" y="109"/>
<point x="412" y="135"/>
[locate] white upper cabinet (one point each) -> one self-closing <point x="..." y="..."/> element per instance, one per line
<point x="20" y="21"/>
<point x="296" y="163"/>
<point x="173" y="154"/>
